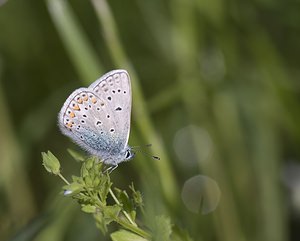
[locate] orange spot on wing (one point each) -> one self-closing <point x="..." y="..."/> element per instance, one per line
<point x="72" y="115"/>
<point x="69" y="125"/>
<point x="94" y="100"/>
<point x="76" y="107"/>
<point x="85" y="98"/>
<point x="79" y="100"/>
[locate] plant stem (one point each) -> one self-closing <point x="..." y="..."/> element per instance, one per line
<point x="124" y="212"/>
<point x="134" y="229"/>
<point x="64" y="179"/>
<point x="75" y="41"/>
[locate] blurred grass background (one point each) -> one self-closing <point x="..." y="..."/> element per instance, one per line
<point x="215" y="90"/>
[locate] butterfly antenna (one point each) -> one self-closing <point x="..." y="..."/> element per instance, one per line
<point x="139" y="149"/>
<point x="147" y="154"/>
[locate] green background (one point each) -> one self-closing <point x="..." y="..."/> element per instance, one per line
<point x="216" y="77"/>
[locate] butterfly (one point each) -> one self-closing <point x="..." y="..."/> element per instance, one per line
<point x="97" y="118"/>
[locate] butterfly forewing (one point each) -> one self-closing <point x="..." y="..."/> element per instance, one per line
<point x="116" y="89"/>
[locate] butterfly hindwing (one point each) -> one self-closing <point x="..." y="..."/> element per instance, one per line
<point x="88" y="120"/>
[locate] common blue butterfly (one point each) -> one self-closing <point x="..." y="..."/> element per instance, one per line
<point x="97" y="118"/>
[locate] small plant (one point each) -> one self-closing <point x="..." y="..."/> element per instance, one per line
<point x="92" y="190"/>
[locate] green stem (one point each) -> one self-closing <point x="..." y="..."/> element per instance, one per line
<point x="134" y="229"/>
<point x="64" y="179"/>
<point x="75" y="40"/>
<point x="129" y="226"/>
<point x="124" y="212"/>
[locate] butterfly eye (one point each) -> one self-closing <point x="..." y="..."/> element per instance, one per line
<point x="127" y="154"/>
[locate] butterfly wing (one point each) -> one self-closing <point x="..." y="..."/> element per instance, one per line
<point x="115" y="88"/>
<point x="98" y="118"/>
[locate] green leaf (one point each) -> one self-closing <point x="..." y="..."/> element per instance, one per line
<point x="51" y="163"/>
<point x="84" y="172"/>
<point x="76" y="155"/>
<point x="132" y="214"/>
<point x="88" y="208"/>
<point x="89" y="163"/>
<point x="98" y="167"/>
<point x="91" y="167"/>
<point x="100" y="222"/>
<point x="77" y="179"/>
<point x="72" y="189"/>
<point x="124" y="199"/>
<point x="88" y="181"/>
<point x="111" y="213"/>
<point x="86" y="167"/>
<point x="96" y="182"/>
<point x="124" y="235"/>
<point x="137" y="196"/>
<point x="104" y="186"/>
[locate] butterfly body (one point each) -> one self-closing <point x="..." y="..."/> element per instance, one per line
<point x="97" y="118"/>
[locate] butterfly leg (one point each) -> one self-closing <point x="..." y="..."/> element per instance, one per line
<point x="111" y="168"/>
